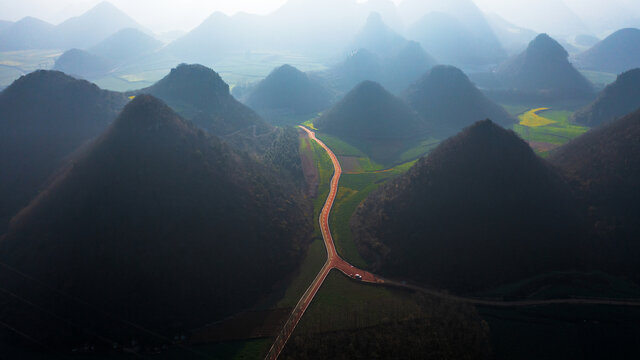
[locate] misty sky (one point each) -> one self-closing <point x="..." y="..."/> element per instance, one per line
<point x="165" y="15"/>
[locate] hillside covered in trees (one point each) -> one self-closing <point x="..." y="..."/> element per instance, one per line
<point x="44" y="117"/>
<point x="156" y="222"/>
<point x="480" y="210"/>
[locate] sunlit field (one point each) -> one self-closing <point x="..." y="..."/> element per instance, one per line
<point x="546" y="129"/>
<point x="532" y="119"/>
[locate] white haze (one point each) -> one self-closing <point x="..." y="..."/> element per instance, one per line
<point x="561" y="17"/>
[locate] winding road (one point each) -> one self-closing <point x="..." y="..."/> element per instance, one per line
<point x="334" y="261"/>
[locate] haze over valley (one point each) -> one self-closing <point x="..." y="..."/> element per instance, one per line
<point x="301" y="179"/>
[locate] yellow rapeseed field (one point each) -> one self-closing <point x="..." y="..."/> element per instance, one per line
<point x="532" y="119"/>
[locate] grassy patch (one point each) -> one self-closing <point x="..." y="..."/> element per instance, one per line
<point x="340" y="147"/>
<point x="309" y="124"/>
<point x="416" y="152"/>
<point x="558" y="132"/>
<point x="342" y="304"/>
<point x="354" y="188"/>
<point x="311" y="265"/>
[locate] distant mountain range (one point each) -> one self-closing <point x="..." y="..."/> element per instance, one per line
<point x="442" y="26"/>
<point x="513" y="38"/>
<point x="80" y="32"/>
<point x="126" y="45"/>
<point x="616" y="100"/>
<point x="448" y="102"/>
<point x="46" y="116"/>
<point x="480" y="210"/>
<point x="379" y="54"/>
<point x="158" y="223"/>
<point x="617" y="53"/>
<point x="123" y="47"/>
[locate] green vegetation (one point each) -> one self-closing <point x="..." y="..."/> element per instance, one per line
<point x="339" y="147"/>
<point x="311" y="265"/>
<point x="557" y="133"/>
<point x="342" y="303"/>
<point x="416" y="152"/>
<point x="354" y="188"/>
<point x="351" y="320"/>
<point x="13" y="64"/>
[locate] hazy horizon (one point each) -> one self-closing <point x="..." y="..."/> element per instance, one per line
<point x="602" y="15"/>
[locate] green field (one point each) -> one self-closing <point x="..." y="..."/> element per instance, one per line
<point x="354" y="188"/>
<point x="343" y="303"/>
<point x="545" y="138"/>
<point x="14" y="64"/>
<point x="235" y="69"/>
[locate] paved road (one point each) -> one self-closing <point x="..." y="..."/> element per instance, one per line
<point x="334" y="261"/>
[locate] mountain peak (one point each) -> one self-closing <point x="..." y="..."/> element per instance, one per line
<point x="104" y="7"/>
<point x="545" y="46"/>
<point x="187" y="77"/>
<point x="374" y="20"/>
<point x="371" y="114"/>
<point x="448" y="73"/>
<point x="369" y="87"/>
<point x="286" y="70"/>
<point x="145" y="113"/>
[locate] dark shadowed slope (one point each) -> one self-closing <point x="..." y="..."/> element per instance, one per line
<point x="45" y="116"/>
<point x="288" y="91"/>
<point x="449" y="102"/>
<point x="544" y="68"/>
<point x="371" y="116"/>
<point x="617" y="53"/>
<point x="199" y="94"/>
<point x="480" y="210"/>
<point x="604" y="166"/>
<point x="157" y="223"/>
<point x="616" y="100"/>
<point x="125" y="45"/>
<point x="81" y="63"/>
